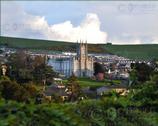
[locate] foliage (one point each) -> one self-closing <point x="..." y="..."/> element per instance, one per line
<point x="140" y="72"/>
<point x="98" y="68"/>
<point x="108" y="111"/>
<point x="147" y="95"/>
<point x="25" y="68"/>
<point x="74" y="89"/>
<point x="31" y="89"/>
<point x="12" y="90"/>
<point x="133" y="77"/>
<point x="72" y="78"/>
<point x="13" y="114"/>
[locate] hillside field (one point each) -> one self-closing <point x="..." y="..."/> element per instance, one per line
<point x="148" y="51"/>
<point x="144" y="51"/>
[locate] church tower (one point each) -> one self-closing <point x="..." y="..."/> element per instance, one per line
<point x="82" y="57"/>
<point x="83" y="63"/>
<point x="82" y="50"/>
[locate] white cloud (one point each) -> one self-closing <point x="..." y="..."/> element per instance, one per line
<point x="129" y="21"/>
<point x="122" y="27"/>
<point x="26" y="25"/>
<point x="89" y="30"/>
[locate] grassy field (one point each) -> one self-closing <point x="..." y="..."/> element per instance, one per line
<point x="148" y="51"/>
<point x="87" y="82"/>
<point x="143" y="52"/>
<point x="35" y="44"/>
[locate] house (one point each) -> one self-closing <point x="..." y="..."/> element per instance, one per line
<point x="56" y="90"/>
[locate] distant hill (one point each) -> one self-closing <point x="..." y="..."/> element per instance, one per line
<point x="145" y="51"/>
<point x="46" y="45"/>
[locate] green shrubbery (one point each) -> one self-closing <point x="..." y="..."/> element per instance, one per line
<point x="10" y="90"/>
<point x="139" y="108"/>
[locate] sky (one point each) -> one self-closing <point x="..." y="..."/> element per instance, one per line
<point x="118" y="22"/>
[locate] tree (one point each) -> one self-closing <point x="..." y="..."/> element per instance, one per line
<point x="147" y="94"/>
<point x="13" y="91"/>
<point x="19" y="59"/>
<point x="133" y="77"/>
<point x="98" y="68"/>
<point x="20" y="69"/>
<point x="143" y="71"/>
<point x="154" y="78"/>
<point x="24" y="68"/>
<point x="31" y="89"/>
<point x="74" y="88"/>
<point x="43" y="73"/>
<point x="37" y="61"/>
<point x="72" y="78"/>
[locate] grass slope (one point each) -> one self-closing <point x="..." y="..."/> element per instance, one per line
<point x="33" y="43"/>
<point x="46" y="45"/>
<point x="144" y="52"/>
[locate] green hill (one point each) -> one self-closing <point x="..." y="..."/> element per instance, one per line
<point x="33" y="43"/>
<point x="46" y="45"/>
<point x="146" y="51"/>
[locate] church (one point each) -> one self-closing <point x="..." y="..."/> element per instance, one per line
<point x="80" y="65"/>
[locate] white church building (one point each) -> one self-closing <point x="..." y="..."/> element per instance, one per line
<point x="81" y="65"/>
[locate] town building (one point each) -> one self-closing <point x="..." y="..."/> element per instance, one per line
<point x="81" y="65"/>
